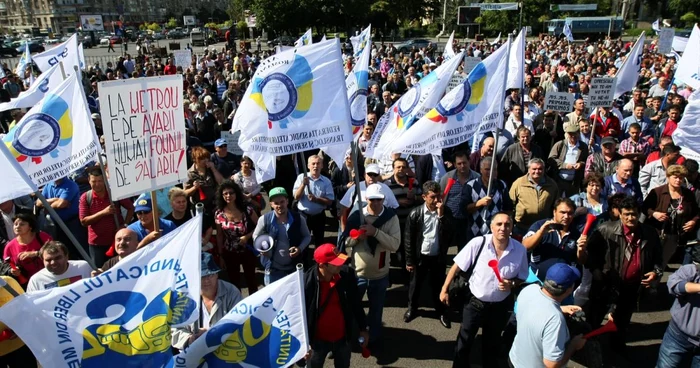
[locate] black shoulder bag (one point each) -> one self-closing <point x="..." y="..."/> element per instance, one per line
<point x="458" y="290"/>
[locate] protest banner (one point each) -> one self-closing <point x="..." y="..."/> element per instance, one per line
<point x="601" y="92"/>
<point x="455" y="81"/>
<point x="559" y="101"/>
<point x="183" y="58"/>
<point x="469" y="63"/>
<point x="666" y="40"/>
<point x="232" y="142"/>
<point x="144" y="131"/>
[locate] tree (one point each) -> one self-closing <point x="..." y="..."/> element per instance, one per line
<point x="172" y="23"/>
<point x="689" y="19"/>
<point x="242" y="28"/>
<point x="153" y="27"/>
<point x="678" y="7"/>
<point x="212" y="25"/>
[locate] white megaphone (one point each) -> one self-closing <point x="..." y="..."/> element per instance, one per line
<point x="263" y="243"/>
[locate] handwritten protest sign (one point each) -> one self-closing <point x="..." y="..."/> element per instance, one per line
<point x="232" y="142"/>
<point x="456" y="79"/>
<point x="144" y="131"/>
<point x="559" y="101"/>
<point x="666" y="40"/>
<point x="183" y="58"/>
<point x="602" y="92"/>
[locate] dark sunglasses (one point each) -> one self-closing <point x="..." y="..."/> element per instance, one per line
<point x="372" y="174"/>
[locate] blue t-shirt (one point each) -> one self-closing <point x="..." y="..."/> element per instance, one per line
<point x="553" y="249"/>
<point x="68" y="190"/>
<point x="165" y="225"/>
<point x="542" y="332"/>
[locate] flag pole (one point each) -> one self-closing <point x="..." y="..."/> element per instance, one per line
<point x="154" y="211"/>
<point x="498" y="128"/>
<point x="302" y="302"/>
<point x="355" y="154"/>
<point x="663" y="104"/>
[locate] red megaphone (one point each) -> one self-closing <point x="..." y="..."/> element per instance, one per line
<point x="20" y="278"/>
<point x="355" y="233"/>
<point x="608" y="327"/>
<point x="450" y="183"/>
<point x="589" y="222"/>
<point x="202" y="196"/>
<point x="494" y="266"/>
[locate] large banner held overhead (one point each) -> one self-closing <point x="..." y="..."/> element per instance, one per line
<point x="120" y="318"/>
<point x="144" y="131"/>
<point x="475" y="105"/>
<point x="264" y="330"/>
<point x="296" y="102"/>
<point x="56" y="137"/>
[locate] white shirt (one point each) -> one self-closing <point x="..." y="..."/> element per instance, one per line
<point x="45" y="280"/>
<point x="430" y="244"/>
<point x="389" y="199"/>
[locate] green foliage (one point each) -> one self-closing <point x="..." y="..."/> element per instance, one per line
<point x="143" y="27"/>
<point x="172" y="23"/>
<point x="635" y="31"/>
<point x="212" y="25"/>
<point x="242" y="28"/>
<point x="678" y="7"/>
<point x="689" y="19"/>
<point x="153" y="27"/>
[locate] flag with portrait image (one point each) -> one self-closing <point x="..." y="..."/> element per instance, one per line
<point x="120" y="318"/>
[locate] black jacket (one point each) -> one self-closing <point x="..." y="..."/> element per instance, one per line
<point x="350" y="301"/>
<point x="606" y="254"/>
<point x="413" y="234"/>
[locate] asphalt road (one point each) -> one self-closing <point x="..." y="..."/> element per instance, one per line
<point x="425" y="343"/>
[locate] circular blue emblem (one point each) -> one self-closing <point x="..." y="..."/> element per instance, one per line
<point x="409" y="100"/>
<point x="358" y="110"/>
<point x="37" y="136"/>
<point x="458" y="103"/>
<point x="280" y="95"/>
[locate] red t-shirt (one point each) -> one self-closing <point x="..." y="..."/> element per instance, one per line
<point x="331" y="323"/>
<point x="101" y="232"/>
<point x="30" y="265"/>
<point x="669" y="128"/>
<point x="170" y="69"/>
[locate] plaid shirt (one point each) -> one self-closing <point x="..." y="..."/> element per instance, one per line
<point x="629" y="146"/>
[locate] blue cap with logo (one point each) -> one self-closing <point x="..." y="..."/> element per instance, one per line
<point x="143" y="204"/>
<point x="220" y="142"/>
<point x="563" y="275"/>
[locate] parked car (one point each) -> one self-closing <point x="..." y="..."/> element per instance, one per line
<point x="157" y="36"/>
<point x="408" y="45"/>
<point x="281" y="40"/>
<point x="33" y="47"/>
<point x="8" y="50"/>
<point x="175" y="35"/>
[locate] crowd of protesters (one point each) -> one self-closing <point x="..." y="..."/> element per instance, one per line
<point x="526" y="211"/>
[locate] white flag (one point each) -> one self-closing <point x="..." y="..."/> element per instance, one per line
<point x="567" y="32"/>
<point x="358" y="42"/>
<point x="687" y="135"/>
<point x="497" y="40"/>
<point x="411" y="107"/>
<point x="56" y="137"/>
<point x="24" y="60"/>
<point x="688" y="70"/>
<point x="356" y="85"/>
<point x="629" y="71"/>
<point x="655" y="26"/>
<point x="66" y="52"/>
<point x="516" y="62"/>
<point x="679" y="43"/>
<point x="449" y="52"/>
<point x="120" y="318"/>
<point x="81" y="57"/>
<point x="295" y="102"/>
<point x="276" y="314"/>
<point x="47" y="82"/>
<point x="477" y="103"/>
<point x="15" y="182"/>
<point x="305" y="39"/>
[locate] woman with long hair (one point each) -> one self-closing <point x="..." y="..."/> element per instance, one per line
<point x="23" y="250"/>
<point x="235" y="222"/>
<point x="202" y="179"/>
<point x="249" y="185"/>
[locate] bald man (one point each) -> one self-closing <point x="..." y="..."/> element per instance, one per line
<point x="125" y="242"/>
<point x="622" y="181"/>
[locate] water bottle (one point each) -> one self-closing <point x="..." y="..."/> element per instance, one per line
<point x="365" y="352"/>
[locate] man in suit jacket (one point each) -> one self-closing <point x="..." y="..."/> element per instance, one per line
<point x="426" y="239"/>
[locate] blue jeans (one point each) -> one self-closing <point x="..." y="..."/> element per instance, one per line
<point x="676" y="350"/>
<point x="376" y="295"/>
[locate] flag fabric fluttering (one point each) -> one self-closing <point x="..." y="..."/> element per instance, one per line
<point x="449" y="52"/>
<point x="14" y="179"/>
<point x="24" y="60"/>
<point x="305" y="39"/>
<point x="277" y="315"/>
<point x="358" y="42"/>
<point x="476" y="104"/>
<point x="655" y="26"/>
<point x="294" y="103"/>
<point x="57" y="136"/>
<point x="688" y="70"/>
<point x="629" y="71"/>
<point x="410" y="108"/>
<point x="356" y="85"/>
<point x="46" y="82"/>
<point x="67" y="52"/>
<point x="121" y="317"/>
<point x="687" y="135"/>
<point x="516" y="62"/>
<point x="567" y="32"/>
<point x="497" y="40"/>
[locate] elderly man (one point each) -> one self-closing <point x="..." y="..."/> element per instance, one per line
<point x="654" y="174"/>
<point x="604" y="162"/>
<point x="218" y="298"/>
<point x="569" y="157"/>
<point x="379" y="236"/>
<point x="533" y="196"/>
<point x="490" y="301"/>
<point x="314" y="193"/>
<point x="125" y="243"/>
<point x="487" y="147"/>
<point x="372" y="176"/>
<point x="622" y="181"/>
<point x="290" y="234"/>
<point x="513" y="163"/>
<point x="58" y="270"/>
<point x="144" y="227"/>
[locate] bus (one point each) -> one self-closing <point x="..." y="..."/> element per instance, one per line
<point x="582" y="27"/>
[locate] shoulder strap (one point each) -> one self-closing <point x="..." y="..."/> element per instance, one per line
<point x="89" y="198"/>
<point x="470" y="271"/>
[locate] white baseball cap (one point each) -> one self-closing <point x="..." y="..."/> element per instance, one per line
<point x="374" y="191"/>
<point x="373" y="169"/>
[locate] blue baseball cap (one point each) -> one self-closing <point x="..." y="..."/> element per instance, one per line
<point x="143" y="204"/>
<point x="220" y="142"/>
<point x="563" y="275"/>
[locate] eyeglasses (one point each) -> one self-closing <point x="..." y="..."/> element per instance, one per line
<point x="376" y="199"/>
<point x="372" y="174"/>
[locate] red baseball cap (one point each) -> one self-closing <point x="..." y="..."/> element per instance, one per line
<point x="328" y="253"/>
